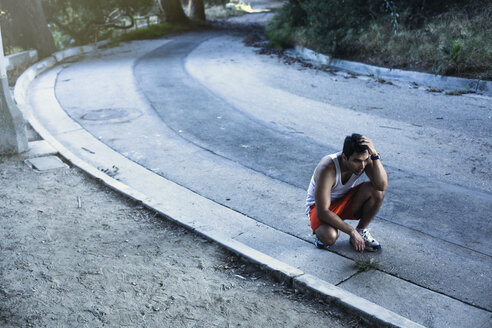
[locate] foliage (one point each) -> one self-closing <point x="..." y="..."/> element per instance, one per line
<point x="281" y="30"/>
<point x="75" y="22"/>
<point x="452" y="43"/>
<point x="156" y="31"/>
<point x="366" y="265"/>
<point x="9" y="32"/>
<point x="211" y="3"/>
<point x="328" y="24"/>
<point x="32" y="33"/>
<point x="83" y="21"/>
<point x="446" y="37"/>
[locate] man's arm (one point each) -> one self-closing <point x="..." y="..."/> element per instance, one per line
<point x="374" y="169"/>
<point x="322" y="197"/>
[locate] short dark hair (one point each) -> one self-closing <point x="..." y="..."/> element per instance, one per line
<point x="352" y="145"/>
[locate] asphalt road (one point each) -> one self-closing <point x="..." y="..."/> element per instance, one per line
<point x="247" y="130"/>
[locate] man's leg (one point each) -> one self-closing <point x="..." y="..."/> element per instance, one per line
<point x="327" y="234"/>
<point x="366" y="204"/>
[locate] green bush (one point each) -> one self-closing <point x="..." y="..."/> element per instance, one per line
<point x="282" y="28"/>
<point x="329" y="25"/>
<point x="76" y="22"/>
<point x="445" y="37"/>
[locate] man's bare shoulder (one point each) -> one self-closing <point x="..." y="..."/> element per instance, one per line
<point x="325" y="168"/>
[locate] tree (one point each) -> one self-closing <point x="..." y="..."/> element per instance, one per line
<point x="196" y="10"/>
<point x="81" y="21"/>
<point x="172" y="11"/>
<point x="33" y="31"/>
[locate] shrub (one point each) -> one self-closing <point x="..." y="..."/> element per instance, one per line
<point x="444" y="37"/>
<point x="282" y="29"/>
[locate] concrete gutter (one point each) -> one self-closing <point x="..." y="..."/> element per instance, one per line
<point x="371" y="312"/>
<point x="430" y="80"/>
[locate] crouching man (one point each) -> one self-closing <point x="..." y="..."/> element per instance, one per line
<point x="334" y="195"/>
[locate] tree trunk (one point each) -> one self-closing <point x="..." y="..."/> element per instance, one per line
<point x="172" y="11"/>
<point x="45" y="44"/>
<point x="196" y="10"/>
<point x="29" y="25"/>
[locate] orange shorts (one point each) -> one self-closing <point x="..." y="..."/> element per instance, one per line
<point x="341" y="207"/>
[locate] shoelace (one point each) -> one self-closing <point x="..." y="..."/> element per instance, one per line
<point x="367" y="235"/>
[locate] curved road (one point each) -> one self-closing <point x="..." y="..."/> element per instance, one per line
<point x="246" y="131"/>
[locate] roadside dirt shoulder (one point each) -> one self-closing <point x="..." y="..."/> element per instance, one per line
<point x="74" y="253"/>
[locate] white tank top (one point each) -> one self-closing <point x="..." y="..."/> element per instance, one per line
<point x="338" y="190"/>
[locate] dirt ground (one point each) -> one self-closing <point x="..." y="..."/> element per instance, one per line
<point x="74" y="253"/>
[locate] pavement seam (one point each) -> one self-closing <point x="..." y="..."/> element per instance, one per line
<point x="437" y="237"/>
<point x="368" y="310"/>
<point x="346" y="279"/>
<point x="351" y="302"/>
<point x="427" y="288"/>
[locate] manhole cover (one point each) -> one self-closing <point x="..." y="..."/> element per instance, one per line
<point x="105" y="114"/>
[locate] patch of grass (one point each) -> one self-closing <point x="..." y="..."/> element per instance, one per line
<point x="157" y="30"/>
<point x="451" y="44"/>
<point x="112" y="172"/>
<point x="363" y="266"/>
<point x="113" y="43"/>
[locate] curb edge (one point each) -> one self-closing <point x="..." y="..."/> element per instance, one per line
<point x="427" y="79"/>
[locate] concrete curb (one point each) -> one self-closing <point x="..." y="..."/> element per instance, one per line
<point x="430" y="80"/>
<point x="20" y="59"/>
<point x="367" y="310"/>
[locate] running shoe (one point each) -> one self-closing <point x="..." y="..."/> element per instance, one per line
<point x="372" y="244"/>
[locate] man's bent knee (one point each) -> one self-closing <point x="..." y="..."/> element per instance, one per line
<point x="379" y="195"/>
<point x="328" y="235"/>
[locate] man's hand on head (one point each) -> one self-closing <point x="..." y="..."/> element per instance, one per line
<point x="374" y="169"/>
<point x="367" y="142"/>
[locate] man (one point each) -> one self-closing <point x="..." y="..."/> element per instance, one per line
<point x="334" y="196"/>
